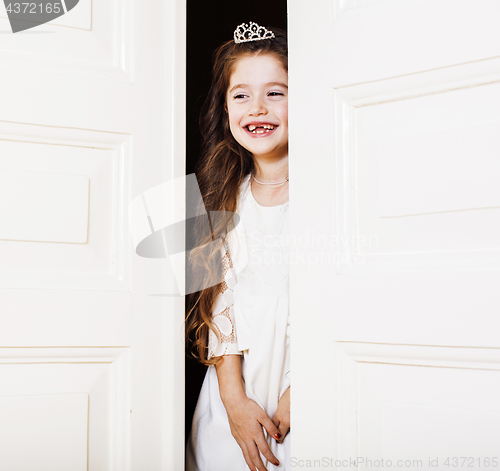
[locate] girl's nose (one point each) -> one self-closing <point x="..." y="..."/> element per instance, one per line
<point x="257" y="107"/>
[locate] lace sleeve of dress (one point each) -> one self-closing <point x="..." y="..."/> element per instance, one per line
<point x="223" y="312"/>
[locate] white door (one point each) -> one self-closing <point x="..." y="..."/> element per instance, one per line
<point x="396" y="215"/>
<point x="91" y="364"/>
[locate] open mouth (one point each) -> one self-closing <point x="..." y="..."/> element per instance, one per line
<point x="261" y="128"/>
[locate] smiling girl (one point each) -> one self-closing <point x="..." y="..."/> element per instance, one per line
<point x="239" y="327"/>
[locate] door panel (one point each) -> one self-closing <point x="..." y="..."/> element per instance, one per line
<point x="91" y="358"/>
<point x="392" y="38"/>
<point x="98" y="42"/>
<point x="395" y="273"/>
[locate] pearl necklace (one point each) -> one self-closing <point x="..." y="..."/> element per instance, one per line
<point x="272" y="183"/>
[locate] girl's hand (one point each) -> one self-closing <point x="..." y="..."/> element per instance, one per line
<point x="282" y="417"/>
<point x="246" y="419"/>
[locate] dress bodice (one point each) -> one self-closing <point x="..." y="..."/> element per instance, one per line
<point x="266" y="230"/>
<point x="256" y="268"/>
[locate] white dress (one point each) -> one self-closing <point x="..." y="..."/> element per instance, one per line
<point x="252" y="316"/>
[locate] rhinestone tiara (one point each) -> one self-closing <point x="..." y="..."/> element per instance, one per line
<point x="251" y="32"/>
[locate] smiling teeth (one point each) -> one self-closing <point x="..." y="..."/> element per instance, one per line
<point x="252" y="128"/>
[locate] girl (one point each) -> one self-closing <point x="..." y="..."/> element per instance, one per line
<point x="238" y="325"/>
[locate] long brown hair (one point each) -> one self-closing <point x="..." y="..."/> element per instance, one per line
<point x="220" y="171"/>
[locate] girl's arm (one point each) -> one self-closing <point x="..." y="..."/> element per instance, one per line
<point x="246" y="417"/>
<point x="223" y="312"/>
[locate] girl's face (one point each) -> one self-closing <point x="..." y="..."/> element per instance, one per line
<point x="257" y="105"/>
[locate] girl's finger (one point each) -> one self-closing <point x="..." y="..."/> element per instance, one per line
<point x="254" y="454"/>
<point x="271" y="428"/>
<point x="284" y="429"/>
<point x="276" y="421"/>
<point x="266" y="451"/>
<point x="248" y="460"/>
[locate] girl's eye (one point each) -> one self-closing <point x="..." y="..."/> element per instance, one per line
<point x="242" y="95"/>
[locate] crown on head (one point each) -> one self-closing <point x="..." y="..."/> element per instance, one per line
<point x="252" y="32"/>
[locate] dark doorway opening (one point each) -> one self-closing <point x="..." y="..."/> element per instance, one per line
<point x="209" y="24"/>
